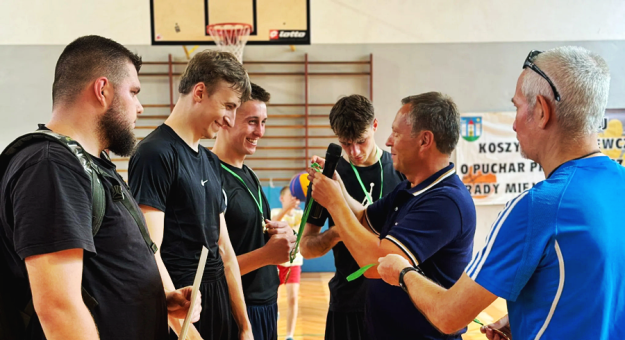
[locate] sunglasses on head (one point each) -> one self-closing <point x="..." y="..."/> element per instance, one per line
<point x="529" y="62"/>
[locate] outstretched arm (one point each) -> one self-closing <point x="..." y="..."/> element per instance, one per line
<point x="449" y="310"/>
<point x="315" y="244"/>
<point x="363" y="245"/>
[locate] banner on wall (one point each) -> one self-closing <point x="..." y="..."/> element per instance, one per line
<point x="488" y="158"/>
<point x="612" y="137"/>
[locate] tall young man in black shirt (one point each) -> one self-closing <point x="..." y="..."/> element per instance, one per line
<point x="46" y="234"/>
<point x="368" y="174"/>
<point x="247" y="216"/>
<point x="177" y="184"/>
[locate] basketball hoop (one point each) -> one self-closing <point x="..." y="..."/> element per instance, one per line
<point x="230" y="37"/>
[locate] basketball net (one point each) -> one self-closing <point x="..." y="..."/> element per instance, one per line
<point x="230" y="37"/>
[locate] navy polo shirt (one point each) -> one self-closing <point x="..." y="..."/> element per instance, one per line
<point x="433" y="224"/>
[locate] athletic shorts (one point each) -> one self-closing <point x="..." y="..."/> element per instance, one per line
<point x="294" y="277"/>
<point x="346" y="326"/>
<point x="215" y="318"/>
<point x="264" y="321"/>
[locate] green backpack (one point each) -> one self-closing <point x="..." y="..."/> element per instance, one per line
<point x="15" y="316"/>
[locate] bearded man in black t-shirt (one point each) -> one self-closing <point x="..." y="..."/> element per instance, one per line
<point x="177" y="184"/>
<point x="368" y="174"/>
<point x="46" y="238"/>
<point x="259" y="243"/>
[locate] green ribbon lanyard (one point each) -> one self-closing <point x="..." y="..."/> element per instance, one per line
<point x="367" y="195"/>
<point x="362" y="270"/>
<point x="259" y="201"/>
<point x="302" y="224"/>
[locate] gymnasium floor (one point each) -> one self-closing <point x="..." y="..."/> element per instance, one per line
<point x="313" y="306"/>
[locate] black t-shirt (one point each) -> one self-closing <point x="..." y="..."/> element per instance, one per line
<point x="350" y="296"/>
<point x="243" y="218"/>
<point x="166" y="174"/>
<point x="45" y="207"/>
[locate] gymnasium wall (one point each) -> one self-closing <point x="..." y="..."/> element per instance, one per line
<point x="44" y="22"/>
<point x="480" y="77"/>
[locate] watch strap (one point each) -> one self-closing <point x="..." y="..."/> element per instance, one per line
<point x="404" y="271"/>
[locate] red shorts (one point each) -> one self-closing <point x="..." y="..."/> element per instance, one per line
<point x="296" y="272"/>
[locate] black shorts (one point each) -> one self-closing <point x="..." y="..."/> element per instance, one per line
<point x="215" y="319"/>
<point x="264" y="320"/>
<point x="346" y="326"/>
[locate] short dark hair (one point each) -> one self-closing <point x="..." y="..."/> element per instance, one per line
<point x="85" y="59"/>
<point x="211" y="67"/>
<point x="436" y="112"/>
<point x="260" y="94"/>
<point x="351" y="116"/>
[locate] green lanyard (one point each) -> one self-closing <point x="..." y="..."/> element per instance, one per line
<point x="259" y="201"/>
<point x="367" y="195"/>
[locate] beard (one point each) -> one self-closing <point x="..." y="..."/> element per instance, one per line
<point x="115" y="132"/>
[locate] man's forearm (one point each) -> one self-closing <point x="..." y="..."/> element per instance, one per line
<point x="67" y="321"/>
<point x="431" y="302"/>
<point x="233" y="277"/>
<point x="253" y="260"/>
<point x="362" y="244"/>
<point x="168" y="285"/>
<point x="448" y="310"/>
<point x="355" y="206"/>
<point x="155" y="220"/>
<point x="313" y="245"/>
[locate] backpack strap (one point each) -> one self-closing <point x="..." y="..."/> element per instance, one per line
<point x="97" y="188"/>
<point x="131" y="207"/>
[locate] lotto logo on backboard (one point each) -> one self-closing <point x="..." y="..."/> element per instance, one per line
<point x="280" y="34"/>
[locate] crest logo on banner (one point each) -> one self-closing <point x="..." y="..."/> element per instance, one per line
<point x="470" y="128"/>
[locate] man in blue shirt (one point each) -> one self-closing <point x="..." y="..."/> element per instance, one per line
<point x="428" y="219"/>
<point x="555" y="252"/>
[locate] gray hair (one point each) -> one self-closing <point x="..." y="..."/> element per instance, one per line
<point x="583" y="80"/>
<point x="436" y="112"/>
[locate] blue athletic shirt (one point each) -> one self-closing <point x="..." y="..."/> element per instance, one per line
<point x="434" y="225"/>
<point x="556" y="253"/>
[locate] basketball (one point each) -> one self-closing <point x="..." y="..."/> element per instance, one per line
<point x="299" y="186"/>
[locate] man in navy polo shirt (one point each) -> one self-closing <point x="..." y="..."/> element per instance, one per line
<point x="429" y="219"/>
<point x="555" y="252"/>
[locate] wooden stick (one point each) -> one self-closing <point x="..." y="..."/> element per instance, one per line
<point x="196" y="287"/>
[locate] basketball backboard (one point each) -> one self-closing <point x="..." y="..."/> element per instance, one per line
<point x="274" y="22"/>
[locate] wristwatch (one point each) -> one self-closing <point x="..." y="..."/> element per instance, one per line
<point x="402" y="284"/>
